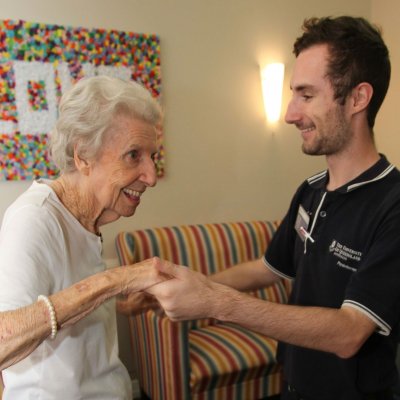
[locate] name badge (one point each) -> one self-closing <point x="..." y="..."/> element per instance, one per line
<point x="301" y="224"/>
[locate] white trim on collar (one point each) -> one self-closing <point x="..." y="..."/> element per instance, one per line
<point x="317" y="177"/>
<point x="377" y="178"/>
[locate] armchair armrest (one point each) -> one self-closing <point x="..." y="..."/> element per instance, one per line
<point x="161" y="355"/>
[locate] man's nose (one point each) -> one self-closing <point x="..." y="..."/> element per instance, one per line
<point x="292" y="113"/>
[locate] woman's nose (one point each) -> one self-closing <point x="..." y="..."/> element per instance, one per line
<point x="149" y="174"/>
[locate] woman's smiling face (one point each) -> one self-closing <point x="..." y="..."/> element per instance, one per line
<point x="123" y="170"/>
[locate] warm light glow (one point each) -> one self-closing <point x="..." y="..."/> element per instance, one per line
<point x="272" y="84"/>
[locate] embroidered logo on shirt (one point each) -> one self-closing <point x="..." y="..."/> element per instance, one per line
<point x="345" y="254"/>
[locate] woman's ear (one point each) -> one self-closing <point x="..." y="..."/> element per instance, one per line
<point x="361" y="96"/>
<point x="81" y="164"/>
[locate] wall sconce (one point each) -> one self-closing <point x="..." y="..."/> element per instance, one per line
<point x="272" y="84"/>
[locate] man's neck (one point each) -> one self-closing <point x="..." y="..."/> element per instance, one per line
<point x="345" y="167"/>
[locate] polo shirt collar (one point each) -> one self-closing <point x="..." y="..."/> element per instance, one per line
<point x="378" y="171"/>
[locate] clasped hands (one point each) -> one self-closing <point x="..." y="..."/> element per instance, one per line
<point x="176" y="290"/>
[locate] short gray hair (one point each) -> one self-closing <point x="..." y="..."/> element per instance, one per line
<point x="88" y="109"/>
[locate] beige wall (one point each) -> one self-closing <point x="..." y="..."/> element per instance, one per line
<point x="222" y="162"/>
<point x="387" y="14"/>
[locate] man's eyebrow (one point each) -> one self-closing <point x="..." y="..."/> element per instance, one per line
<point x="301" y="88"/>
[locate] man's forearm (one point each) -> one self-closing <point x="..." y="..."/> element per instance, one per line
<point x="247" y="276"/>
<point x="191" y="295"/>
<point x="339" y="331"/>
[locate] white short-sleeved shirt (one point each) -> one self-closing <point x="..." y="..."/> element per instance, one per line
<point x="44" y="249"/>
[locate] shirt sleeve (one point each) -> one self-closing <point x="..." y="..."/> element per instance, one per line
<point x="375" y="288"/>
<point x="29" y="254"/>
<point x="280" y="252"/>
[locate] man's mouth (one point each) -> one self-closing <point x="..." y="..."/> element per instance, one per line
<point x="306" y="130"/>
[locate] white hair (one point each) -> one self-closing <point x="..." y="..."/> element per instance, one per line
<point x="88" y="109"/>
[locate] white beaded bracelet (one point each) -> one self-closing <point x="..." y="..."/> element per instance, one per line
<point x="53" y="319"/>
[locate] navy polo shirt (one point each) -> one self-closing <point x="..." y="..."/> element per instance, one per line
<point x="342" y="248"/>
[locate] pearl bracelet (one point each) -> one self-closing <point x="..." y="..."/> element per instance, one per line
<point x="53" y="319"/>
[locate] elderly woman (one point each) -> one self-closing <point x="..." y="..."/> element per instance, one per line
<point x="58" y="331"/>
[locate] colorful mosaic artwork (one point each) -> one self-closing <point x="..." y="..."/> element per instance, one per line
<point x="39" y="62"/>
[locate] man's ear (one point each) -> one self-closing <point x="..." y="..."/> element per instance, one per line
<point x="361" y="96"/>
<point x="81" y="164"/>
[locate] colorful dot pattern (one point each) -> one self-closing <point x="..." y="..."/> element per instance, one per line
<point x="37" y="95"/>
<point x="8" y="108"/>
<point x="25" y="156"/>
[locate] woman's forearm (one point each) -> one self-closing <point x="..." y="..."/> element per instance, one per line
<point x="22" y="330"/>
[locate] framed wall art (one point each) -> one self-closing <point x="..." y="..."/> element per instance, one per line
<point x="39" y="62"/>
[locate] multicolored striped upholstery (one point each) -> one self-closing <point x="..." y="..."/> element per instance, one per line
<point x="203" y="359"/>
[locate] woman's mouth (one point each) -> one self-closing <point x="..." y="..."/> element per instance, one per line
<point x="132" y="194"/>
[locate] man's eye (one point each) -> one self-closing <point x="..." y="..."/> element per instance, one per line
<point x="307" y="97"/>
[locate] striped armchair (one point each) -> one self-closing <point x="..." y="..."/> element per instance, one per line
<point x="203" y="359"/>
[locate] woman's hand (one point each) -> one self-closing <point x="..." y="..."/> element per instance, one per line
<point x="143" y="275"/>
<point x="135" y="303"/>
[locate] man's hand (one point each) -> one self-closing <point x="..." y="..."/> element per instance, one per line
<point x="188" y="294"/>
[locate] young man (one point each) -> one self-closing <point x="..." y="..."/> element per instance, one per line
<point x="340" y="240"/>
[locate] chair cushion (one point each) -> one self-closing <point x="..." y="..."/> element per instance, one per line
<point x="226" y="354"/>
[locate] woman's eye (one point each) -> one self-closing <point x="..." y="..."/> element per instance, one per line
<point x="134" y="154"/>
